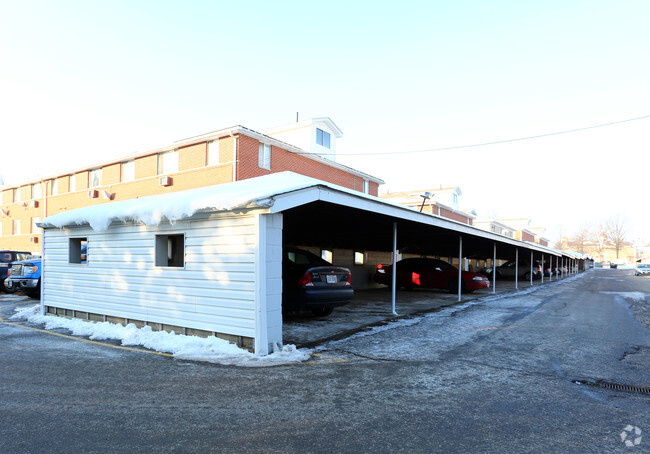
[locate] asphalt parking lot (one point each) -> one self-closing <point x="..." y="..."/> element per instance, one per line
<point x="373" y="307"/>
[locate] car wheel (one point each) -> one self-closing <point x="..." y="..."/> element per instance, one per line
<point x="7" y="286"/>
<point x="322" y="311"/>
<point x="527" y="275"/>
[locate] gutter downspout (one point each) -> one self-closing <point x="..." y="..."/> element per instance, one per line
<point x="234" y="157"/>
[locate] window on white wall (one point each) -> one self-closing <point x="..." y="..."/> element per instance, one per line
<point x="212" y="158"/>
<point x="326" y="255"/>
<point x="170" y="250"/>
<point x="168" y="162"/>
<point x="322" y="138"/>
<point x="17" y="195"/>
<point x="55" y="186"/>
<point x="95" y="178"/>
<point x="78" y="250"/>
<point x="36" y="191"/>
<point x="72" y="182"/>
<point x="16" y="224"/>
<point x="128" y="171"/>
<point x="265" y="156"/>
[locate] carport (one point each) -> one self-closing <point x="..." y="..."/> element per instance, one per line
<point x="331" y="218"/>
<point x="229" y="241"/>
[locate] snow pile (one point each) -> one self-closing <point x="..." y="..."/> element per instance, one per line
<point x="194" y="348"/>
<point x="151" y="210"/>
<point x="633" y="296"/>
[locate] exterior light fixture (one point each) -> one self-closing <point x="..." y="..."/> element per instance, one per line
<point x="426" y="196"/>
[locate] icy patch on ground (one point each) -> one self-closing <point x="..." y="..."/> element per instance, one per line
<point x="212" y="349"/>
<point x="634" y="296"/>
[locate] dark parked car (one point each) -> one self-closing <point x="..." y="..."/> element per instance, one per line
<point x="429" y="273"/>
<point x="6" y="257"/>
<point x="509" y="269"/>
<point x="309" y="282"/>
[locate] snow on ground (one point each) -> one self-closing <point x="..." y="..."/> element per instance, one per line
<point x="634" y="296"/>
<point x="194" y="348"/>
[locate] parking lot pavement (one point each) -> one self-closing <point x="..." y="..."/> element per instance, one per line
<point x="373" y="307"/>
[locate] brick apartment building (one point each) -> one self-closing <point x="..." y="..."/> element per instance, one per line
<point x="223" y="156"/>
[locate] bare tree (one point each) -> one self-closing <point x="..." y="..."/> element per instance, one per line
<point x="615" y="230"/>
<point x="598" y="239"/>
<point x="581" y="238"/>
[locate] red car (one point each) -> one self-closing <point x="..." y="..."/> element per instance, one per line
<point x="429" y="273"/>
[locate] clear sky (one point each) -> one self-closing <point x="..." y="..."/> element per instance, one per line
<point x="87" y="81"/>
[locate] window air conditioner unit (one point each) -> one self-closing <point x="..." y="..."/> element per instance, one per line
<point x="33" y="239"/>
<point x="92" y="193"/>
<point x="165" y="181"/>
<point x="33" y="204"/>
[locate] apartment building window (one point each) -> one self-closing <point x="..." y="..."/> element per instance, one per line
<point x="72" y="183"/>
<point x="322" y="138"/>
<point x="55" y="186"/>
<point x="35" y="228"/>
<point x="95" y="178"/>
<point x="170" y="250"/>
<point x="36" y="191"/>
<point x="127" y="171"/>
<point x="16" y="226"/>
<point x="168" y="162"/>
<point x="366" y="186"/>
<point x="212" y="158"/>
<point x="265" y="156"/>
<point x="17" y="195"/>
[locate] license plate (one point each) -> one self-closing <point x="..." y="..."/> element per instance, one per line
<point x="331" y="279"/>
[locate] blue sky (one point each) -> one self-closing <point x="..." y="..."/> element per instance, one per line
<point x="83" y="82"/>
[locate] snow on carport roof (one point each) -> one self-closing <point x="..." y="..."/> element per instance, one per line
<point x="174" y="206"/>
<point x="276" y="192"/>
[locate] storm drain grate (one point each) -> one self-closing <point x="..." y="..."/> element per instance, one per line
<point x="615" y="386"/>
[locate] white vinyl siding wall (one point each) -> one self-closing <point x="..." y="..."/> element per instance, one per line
<point x="214" y="291"/>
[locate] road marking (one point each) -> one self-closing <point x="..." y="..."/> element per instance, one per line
<point x="66" y="336"/>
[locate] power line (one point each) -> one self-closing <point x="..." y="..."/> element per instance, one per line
<point x="458" y="147"/>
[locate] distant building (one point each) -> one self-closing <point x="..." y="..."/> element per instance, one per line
<point x="441" y="202"/>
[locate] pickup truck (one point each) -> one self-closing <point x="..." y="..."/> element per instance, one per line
<point x="26" y="276"/>
<point x="6" y="257"/>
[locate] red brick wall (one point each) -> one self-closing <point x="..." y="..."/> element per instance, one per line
<point x="527" y="237"/>
<point x="451" y="215"/>
<point x="283" y="160"/>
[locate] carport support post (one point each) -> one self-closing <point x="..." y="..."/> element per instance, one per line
<point x="460" y="266"/>
<point x="531" y="268"/>
<point x="494" y="269"/>
<point x="394" y="287"/>
<point x="516" y="268"/>
<point x="543" y="267"/>
<point x="550" y="268"/>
